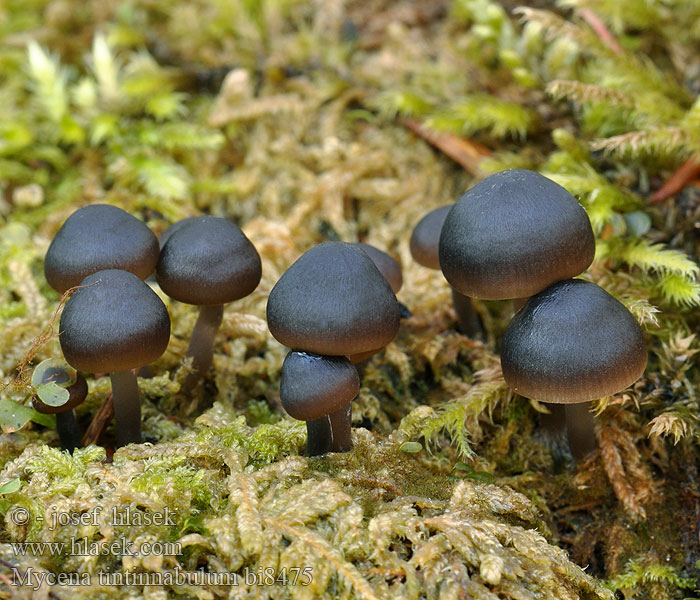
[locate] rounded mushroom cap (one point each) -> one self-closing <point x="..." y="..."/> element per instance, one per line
<point x="512" y="235"/>
<point x="208" y="261"/>
<point x="113" y="322"/>
<point x="571" y="343"/>
<point x="97" y="237"/>
<point x="313" y="386"/>
<point x="425" y="238"/>
<point x="333" y="301"/>
<point x="388" y="267"/>
<point x="165" y="236"/>
<point x="77" y="394"/>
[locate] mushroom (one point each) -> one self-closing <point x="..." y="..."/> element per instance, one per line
<point x="207" y="261"/>
<point x="388" y="267"/>
<point x="570" y="344"/>
<point x="426" y="237"/>
<point x="391" y="271"/>
<point x="509" y="237"/>
<point x="97" y="237"/>
<point x="115" y="323"/>
<point x="424" y="244"/>
<point x="513" y="234"/>
<point x="319" y="390"/>
<point x="165" y="236"/>
<point x="74" y="383"/>
<point x="333" y="301"/>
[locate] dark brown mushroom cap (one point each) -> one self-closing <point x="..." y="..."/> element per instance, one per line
<point x="208" y="261"/>
<point x="333" y="301"/>
<point x="571" y="343"/>
<point x="313" y="386"/>
<point x="98" y="237"/>
<point x="113" y="322"/>
<point x="165" y="236"/>
<point x="512" y="235"/>
<point x="425" y="238"/>
<point x="388" y="267"/>
<point x="77" y="394"/>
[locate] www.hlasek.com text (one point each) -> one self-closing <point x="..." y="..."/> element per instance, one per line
<point x="120" y="546"/>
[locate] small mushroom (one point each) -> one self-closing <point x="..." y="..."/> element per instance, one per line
<point x="165" y="236"/>
<point x="333" y="301"/>
<point x="76" y="386"/>
<point x="391" y="270"/>
<point x="115" y="323"/>
<point x="388" y="267"/>
<point x="572" y="343"/>
<point x="424" y="244"/>
<point x="98" y="237"/>
<point x="425" y="237"/>
<point x="513" y="234"/>
<point x="319" y="390"/>
<point x="207" y="261"/>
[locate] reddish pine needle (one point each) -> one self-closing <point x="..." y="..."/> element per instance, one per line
<point x="464" y="152"/>
<point x="688" y="171"/>
<point x="597" y="25"/>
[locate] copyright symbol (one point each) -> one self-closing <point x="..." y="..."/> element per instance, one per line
<point x="20" y="516"/>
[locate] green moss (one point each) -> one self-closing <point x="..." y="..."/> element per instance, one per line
<point x="286" y="116"/>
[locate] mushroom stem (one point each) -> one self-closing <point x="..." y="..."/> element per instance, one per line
<point x="467" y="318"/>
<point x="404" y="312"/>
<point x="127" y="407"/>
<point x="580" y="429"/>
<point x="318" y="436"/>
<point x="341" y="427"/>
<point x="201" y="347"/>
<point x="553" y="429"/>
<point x="68" y="431"/>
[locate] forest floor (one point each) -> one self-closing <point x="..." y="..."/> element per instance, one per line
<point x="305" y="122"/>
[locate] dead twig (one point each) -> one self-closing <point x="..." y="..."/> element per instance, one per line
<point x="99" y="422"/>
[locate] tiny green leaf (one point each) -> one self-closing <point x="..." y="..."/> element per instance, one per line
<point x="53" y="370"/>
<point x="638" y="222"/>
<point x="52" y="394"/>
<point x="14" y="416"/>
<point x="44" y="419"/>
<point x="11" y="486"/>
<point x="469" y="473"/>
<point x="460" y="466"/>
<point x="411" y="447"/>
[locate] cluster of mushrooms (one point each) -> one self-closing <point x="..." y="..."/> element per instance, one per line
<point x="515" y="235"/>
<point x="519" y="236"/>
<point x="334" y="308"/>
<point x="115" y="323"/>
